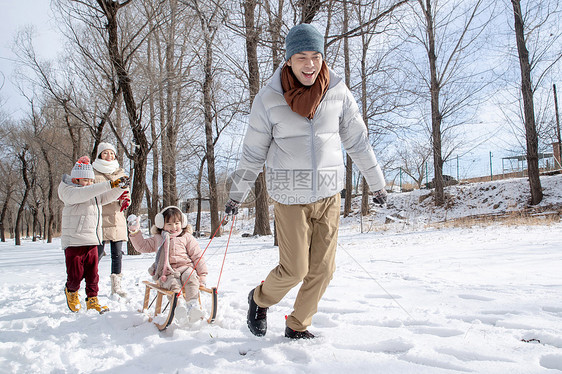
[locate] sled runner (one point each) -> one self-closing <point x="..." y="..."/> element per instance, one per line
<point x="173" y="301"/>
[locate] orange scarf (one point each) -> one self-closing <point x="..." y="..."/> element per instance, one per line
<point x="304" y="100"/>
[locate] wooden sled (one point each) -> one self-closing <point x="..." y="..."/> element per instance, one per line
<point x="161" y="292"/>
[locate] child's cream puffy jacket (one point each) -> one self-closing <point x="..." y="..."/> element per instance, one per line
<point x="81" y="215"/>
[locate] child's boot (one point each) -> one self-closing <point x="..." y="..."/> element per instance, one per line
<point x="116" y="285"/>
<point x="93" y="303"/>
<point x="72" y="300"/>
<point x="194" y="311"/>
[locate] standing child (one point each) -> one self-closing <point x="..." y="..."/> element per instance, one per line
<point x="178" y="253"/>
<point x="82" y="230"/>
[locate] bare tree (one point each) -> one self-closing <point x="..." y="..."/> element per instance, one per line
<point x="110" y="9"/>
<point x="413" y="158"/>
<point x="380" y="88"/>
<point x="44" y="78"/>
<point x="174" y="37"/>
<point x="362" y="21"/>
<point x="261" y="223"/>
<point x="152" y="197"/>
<point x="347" y="70"/>
<point x="210" y="17"/>
<point x="275" y="23"/>
<point x="40" y="140"/>
<point x="7" y="188"/>
<point x="527" y="31"/>
<point x="529" y="111"/>
<point x="449" y="33"/>
<point x="22" y="157"/>
<point x="557" y="125"/>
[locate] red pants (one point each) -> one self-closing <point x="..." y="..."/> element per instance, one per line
<point x="82" y="263"/>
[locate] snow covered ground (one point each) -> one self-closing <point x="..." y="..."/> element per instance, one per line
<point x="406" y="298"/>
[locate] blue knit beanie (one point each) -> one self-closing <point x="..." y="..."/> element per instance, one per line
<point x="303" y="37"/>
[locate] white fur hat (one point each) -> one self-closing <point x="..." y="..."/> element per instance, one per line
<point x="105" y="146"/>
<point x="83" y="169"/>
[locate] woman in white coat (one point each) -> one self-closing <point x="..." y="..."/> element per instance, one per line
<point x="106" y="168"/>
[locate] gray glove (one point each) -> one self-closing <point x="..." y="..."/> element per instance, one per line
<point x="379" y="197"/>
<point x="231" y="207"/>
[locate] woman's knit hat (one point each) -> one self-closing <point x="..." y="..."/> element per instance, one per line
<point x="105" y="146"/>
<point x="303" y="37"/>
<point x="83" y="169"/>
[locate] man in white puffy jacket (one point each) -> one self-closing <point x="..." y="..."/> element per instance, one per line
<point x="297" y="125"/>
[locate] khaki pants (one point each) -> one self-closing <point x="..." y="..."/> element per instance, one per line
<point x="307" y="236"/>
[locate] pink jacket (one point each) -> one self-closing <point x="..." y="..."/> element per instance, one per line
<point x="184" y="252"/>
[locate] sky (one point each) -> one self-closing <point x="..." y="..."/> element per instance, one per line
<point x="408" y="297"/>
<point x="18" y="15"/>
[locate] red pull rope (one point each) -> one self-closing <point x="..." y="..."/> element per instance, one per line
<point x="205" y="250"/>
<point x="226" y="250"/>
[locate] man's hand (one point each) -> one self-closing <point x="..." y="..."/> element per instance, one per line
<point x="231" y="207"/>
<point x="379" y="197"/>
<point x="133" y="223"/>
<point x="122" y="182"/>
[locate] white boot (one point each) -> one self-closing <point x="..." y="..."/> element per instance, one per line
<point x="194" y="311"/>
<point x="116" y="285"/>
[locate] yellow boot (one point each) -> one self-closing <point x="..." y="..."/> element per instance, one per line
<point x="72" y="300"/>
<point x="92" y="303"/>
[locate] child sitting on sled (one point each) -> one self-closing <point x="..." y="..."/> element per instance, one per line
<point x="177" y="254"/>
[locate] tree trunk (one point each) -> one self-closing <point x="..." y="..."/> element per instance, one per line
<point x="528" y="107"/>
<point x="50" y="197"/>
<point x="275" y="25"/>
<point x="110" y="9"/>
<point x="169" y="191"/>
<point x="365" y="201"/>
<point x="148" y="197"/>
<point x="27" y="225"/>
<point x="3" y="213"/>
<point x="349" y="161"/>
<point x="261" y="223"/>
<point x="199" y="194"/>
<point x="11" y="228"/>
<point x="210" y="146"/>
<point x="35" y="224"/>
<point x="153" y="199"/>
<point x="436" y="116"/>
<point x="19" y="215"/>
<point x="558" y="136"/>
<point x="73" y="132"/>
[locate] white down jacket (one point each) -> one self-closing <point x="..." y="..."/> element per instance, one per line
<point x="81" y="215"/>
<point x="304" y="158"/>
